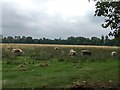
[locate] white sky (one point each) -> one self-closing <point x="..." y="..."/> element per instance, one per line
<point x="51" y="18"/>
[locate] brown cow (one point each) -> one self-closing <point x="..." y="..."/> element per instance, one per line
<point x="17" y="51"/>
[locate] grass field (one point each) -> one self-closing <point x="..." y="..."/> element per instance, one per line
<point x="43" y="67"/>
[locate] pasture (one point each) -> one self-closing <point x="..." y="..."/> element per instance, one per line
<point x="41" y="66"/>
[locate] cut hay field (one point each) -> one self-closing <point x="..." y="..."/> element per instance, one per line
<point x="41" y="66"/>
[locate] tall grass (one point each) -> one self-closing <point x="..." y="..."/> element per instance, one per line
<point x="48" y="52"/>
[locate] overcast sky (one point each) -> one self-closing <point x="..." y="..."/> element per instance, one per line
<point x="51" y="19"/>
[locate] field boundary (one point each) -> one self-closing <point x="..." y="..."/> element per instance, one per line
<point x="57" y="45"/>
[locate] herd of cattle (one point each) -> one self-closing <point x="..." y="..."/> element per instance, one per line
<point x="71" y="52"/>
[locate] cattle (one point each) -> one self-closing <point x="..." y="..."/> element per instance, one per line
<point x="86" y="53"/>
<point x="17" y="52"/>
<point x="72" y="52"/>
<point x="56" y="48"/>
<point x="113" y="53"/>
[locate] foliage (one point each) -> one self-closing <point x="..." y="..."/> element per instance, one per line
<point x="111" y="12"/>
<point x="69" y="41"/>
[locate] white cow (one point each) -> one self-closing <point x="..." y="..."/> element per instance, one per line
<point x="56" y="48"/>
<point x="113" y="53"/>
<point x="72" y="52"/>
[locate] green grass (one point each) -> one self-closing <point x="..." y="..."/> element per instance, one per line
<point x="59" y="74"/>
<point x="0" y="73"/>
<point x="62" y="70"/>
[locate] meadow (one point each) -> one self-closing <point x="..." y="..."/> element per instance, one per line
<point x="41" y="66"/>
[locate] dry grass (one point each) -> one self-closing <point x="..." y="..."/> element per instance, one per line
<point x="54" y="45"/>
<point x="46" y="51"/>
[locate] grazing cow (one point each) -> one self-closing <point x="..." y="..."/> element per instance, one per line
<point x="56" y="48"/>
<point x="113" y="53"/>
<point x="86" y="53"/>
<point x="17" y="51"/>
<point x="72" y="52"/>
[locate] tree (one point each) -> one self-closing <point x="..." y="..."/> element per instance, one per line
<point x="95" y="40"/>
<point x="1" y="37"/>
<point x="29" y="39"/>
<point x="111" y="12"/>
<point x="23" y="39"/>
<point x="17" y="37"/>
<point x="102" y="39"/>
<point x="10" y="39"/>
<point x="106" y="40"/>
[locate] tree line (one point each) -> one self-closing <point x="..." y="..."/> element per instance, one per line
<point x="104" y="40"/>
